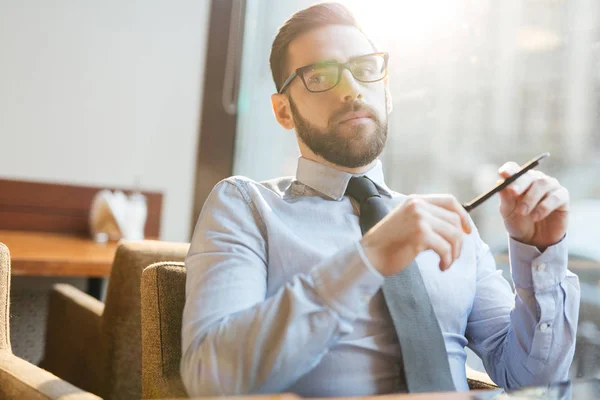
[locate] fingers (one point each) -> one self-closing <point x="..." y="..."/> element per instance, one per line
<point x="450" y="232"/>
<point x="541" y="185"/>
<point x="508" y="201"/>
<point x="557" y="199"/>
<point x="450" y="217"/>
<point x="522" y="197"/>
<point x="534" y="194"/>
<point x="437" y="228"/>
<point x="519" y="186"/>
<point x="450" y="203"/>
<point x="437" y="243"/>
<point x="508" y="169"/>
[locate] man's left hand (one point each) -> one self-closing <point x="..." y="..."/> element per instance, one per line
<point x="535" y="207"/>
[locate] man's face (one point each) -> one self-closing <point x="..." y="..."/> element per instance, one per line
<point x="346" y="125"/>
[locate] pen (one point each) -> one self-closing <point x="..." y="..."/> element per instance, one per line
<point x="481" y="198"/>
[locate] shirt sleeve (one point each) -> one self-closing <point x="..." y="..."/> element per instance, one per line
<point x="235" y="340"/>
<point x="527" y="337"/>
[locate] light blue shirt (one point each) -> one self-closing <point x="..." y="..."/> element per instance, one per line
<point x="281" y="298"/>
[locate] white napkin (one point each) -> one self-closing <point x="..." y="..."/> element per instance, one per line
<point x="115" y="216"/>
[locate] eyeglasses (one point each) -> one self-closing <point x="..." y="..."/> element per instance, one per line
<point x="324" y="76"/>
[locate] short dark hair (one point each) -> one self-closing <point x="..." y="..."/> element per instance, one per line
<point x="301" y="22"/>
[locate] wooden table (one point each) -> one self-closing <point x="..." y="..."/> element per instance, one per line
<point x="53" y="254"/>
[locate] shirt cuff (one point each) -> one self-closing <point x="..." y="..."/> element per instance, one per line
<point x="533" y="269"/>
<point x="347" y="281"/>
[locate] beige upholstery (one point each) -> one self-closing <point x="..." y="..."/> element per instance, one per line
<point x="163" y="298"/>
<point x="479" y="380"/>
<point x="97" y="346"/>
<point x="18" y="378"/>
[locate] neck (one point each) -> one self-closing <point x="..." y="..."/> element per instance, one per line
<point x="309" y="154"/>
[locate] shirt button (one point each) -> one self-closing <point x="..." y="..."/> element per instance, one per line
<point x="544" y="327"/>
<point x="541" y="267"/>
<point x="365" y="298"/>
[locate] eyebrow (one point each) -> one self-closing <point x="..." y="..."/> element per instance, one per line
<point x="331" y="60"/>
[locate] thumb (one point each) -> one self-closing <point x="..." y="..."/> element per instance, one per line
<point x="508" y="169"/>
<point x="508" y="201"/>
<point x="509" y="195"/>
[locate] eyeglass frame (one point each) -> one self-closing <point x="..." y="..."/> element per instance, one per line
<point x="341" y="66"/>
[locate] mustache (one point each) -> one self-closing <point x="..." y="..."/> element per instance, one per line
<point x="353" y="107"/>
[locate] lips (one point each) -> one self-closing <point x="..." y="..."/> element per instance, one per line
<point x="355" y="115"/>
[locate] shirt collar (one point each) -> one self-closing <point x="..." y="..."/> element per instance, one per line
<point x="332" y="182"/>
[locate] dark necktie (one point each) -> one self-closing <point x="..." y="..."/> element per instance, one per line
<point x="424" y="358"/>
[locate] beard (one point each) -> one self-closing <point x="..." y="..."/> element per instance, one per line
<point x="357" y="147"/>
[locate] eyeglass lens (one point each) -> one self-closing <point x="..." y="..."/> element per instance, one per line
<point x="325" y="76"/>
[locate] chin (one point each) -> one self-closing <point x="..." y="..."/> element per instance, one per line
<point x="358" y="132"/>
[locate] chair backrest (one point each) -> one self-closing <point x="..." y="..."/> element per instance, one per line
<point x="4" y="297"/>
<point x="163" y="298"/>
<point x="121" y="320"/>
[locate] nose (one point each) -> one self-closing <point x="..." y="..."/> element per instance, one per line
<point x="349" y="88"/>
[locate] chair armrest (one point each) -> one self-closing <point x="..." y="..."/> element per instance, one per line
<point x="74" y="347"/>
<point x="22" y="380"/>
<point x="163" y="299"/>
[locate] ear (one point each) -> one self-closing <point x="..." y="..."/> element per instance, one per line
<point x="282" y="110"/>
<point x="388" y="95"/>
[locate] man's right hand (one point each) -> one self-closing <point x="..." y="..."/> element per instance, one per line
<point x="432" y="222"/>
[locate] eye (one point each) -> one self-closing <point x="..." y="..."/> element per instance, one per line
<point x="316" y="79"/>
<point x="320" y="77"/>
<point x="365" y="70"/>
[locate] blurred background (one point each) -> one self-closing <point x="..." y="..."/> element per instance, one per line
<point x="474" y="84"/>
<point x="174" y="95"/>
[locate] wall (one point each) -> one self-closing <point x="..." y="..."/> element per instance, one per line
<point x="104" y="93"/>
